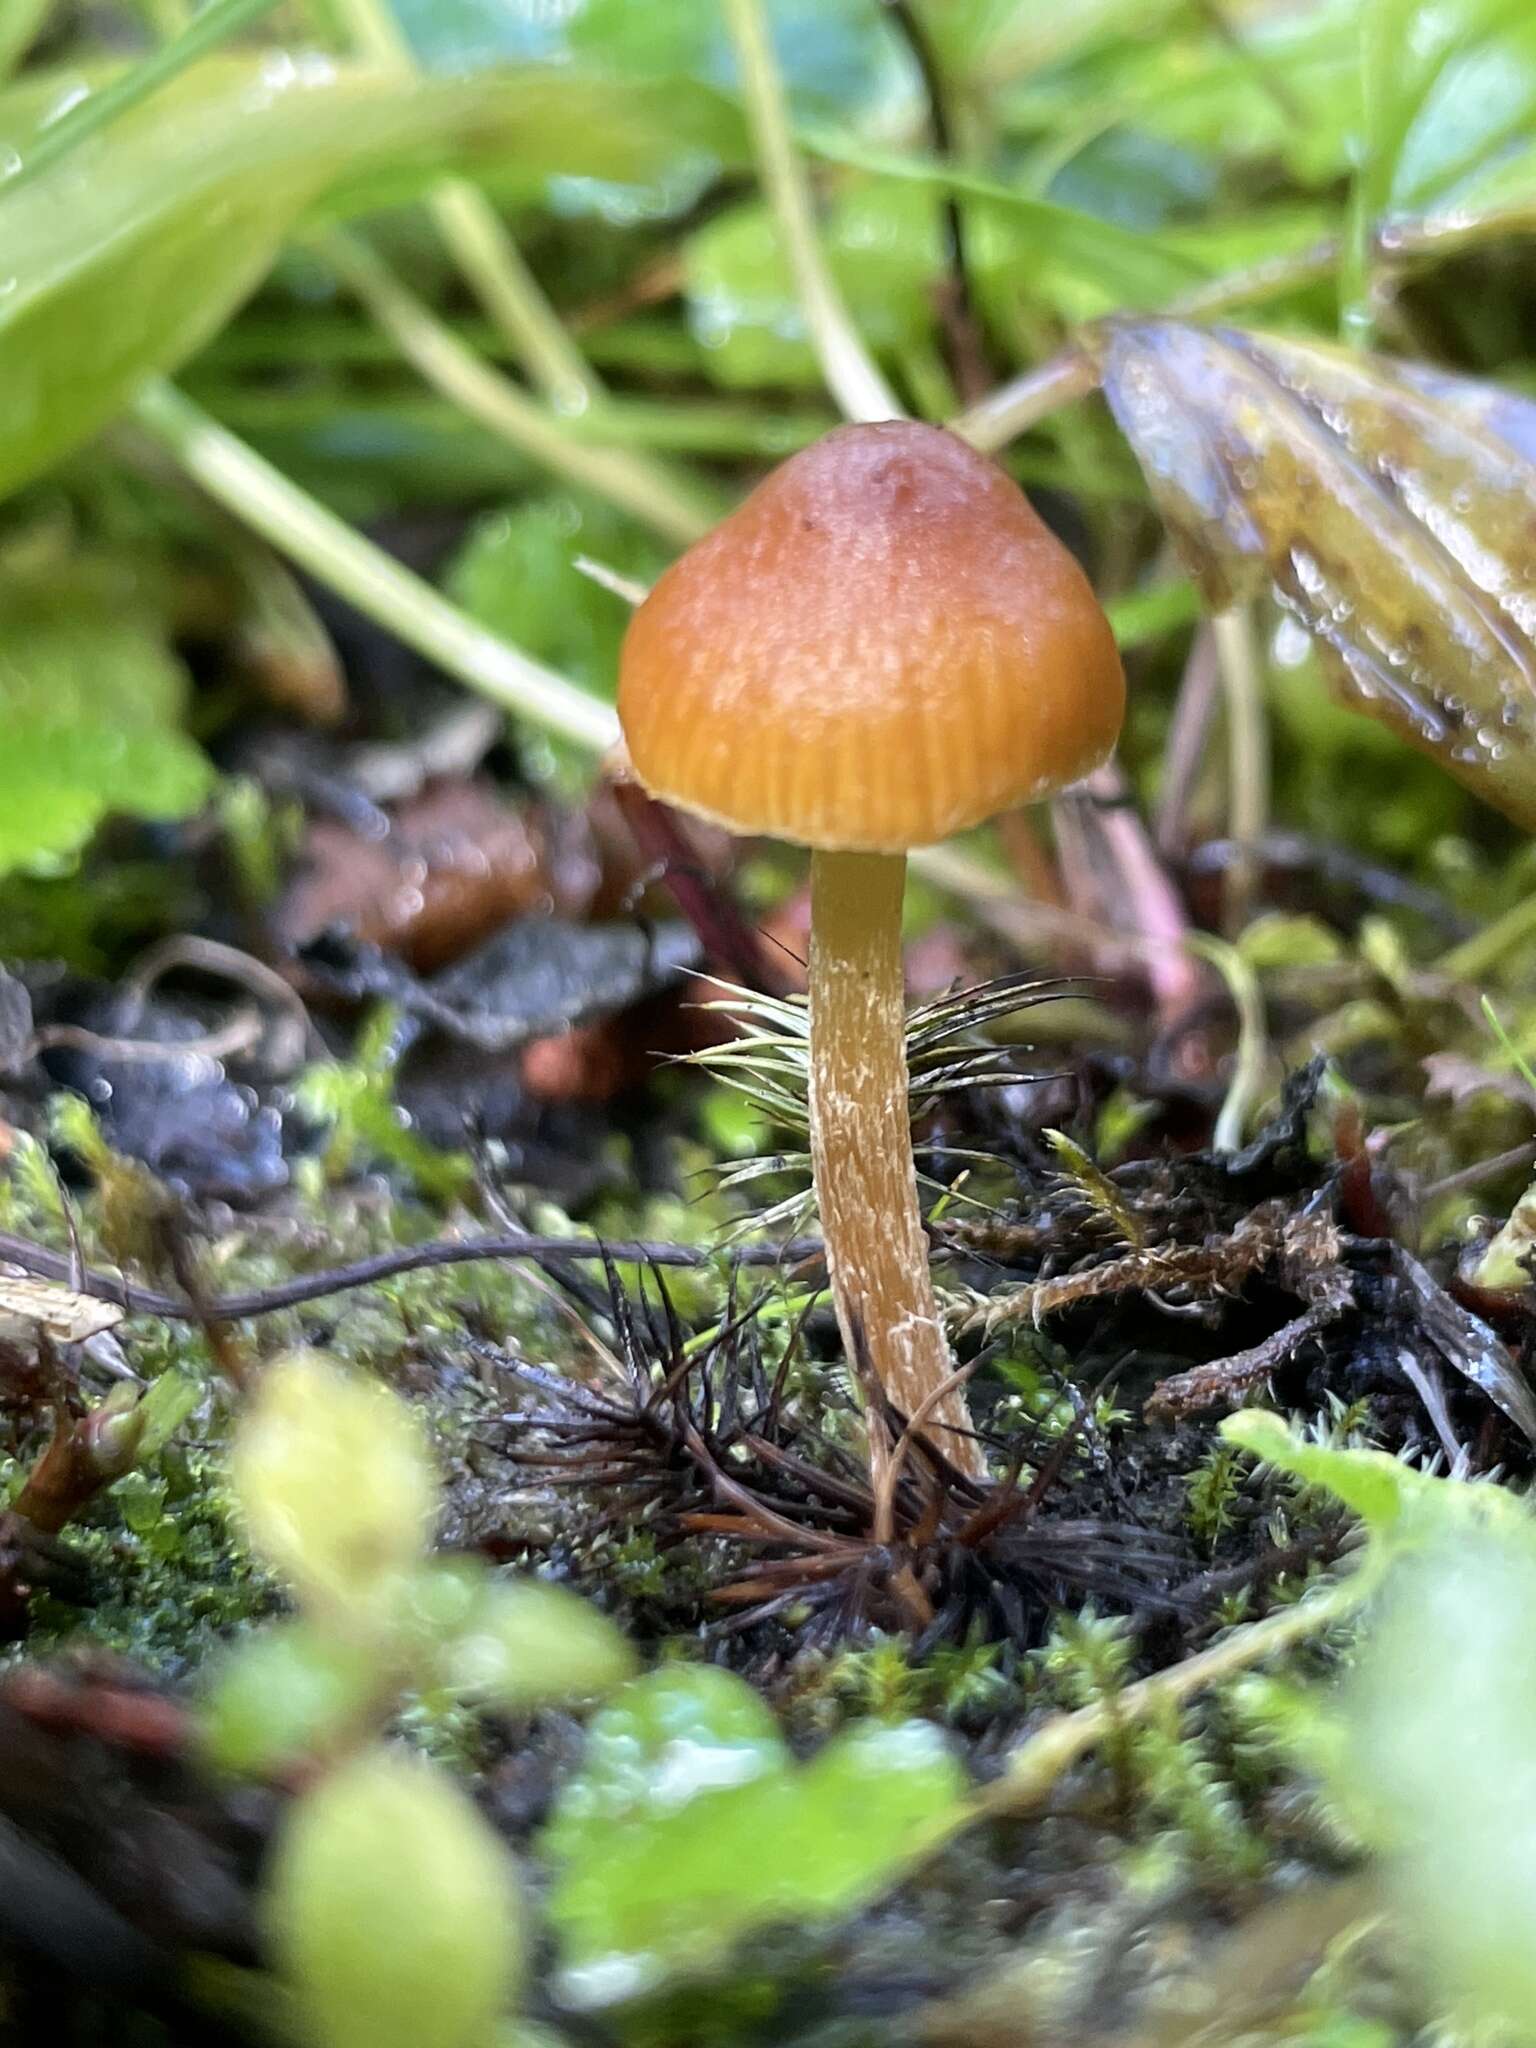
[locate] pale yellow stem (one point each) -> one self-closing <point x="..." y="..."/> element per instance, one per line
<point x="861" y="1145"/>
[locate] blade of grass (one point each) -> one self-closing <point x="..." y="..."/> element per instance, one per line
<point x="237" y="478"/>
<point x="205" y="32"/>
<point x="480" y="390"/>
<point x="478" y="240"/>
<point x="852" y="376"/>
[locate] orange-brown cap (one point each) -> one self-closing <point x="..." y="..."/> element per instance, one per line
<point x="882" y="645"/>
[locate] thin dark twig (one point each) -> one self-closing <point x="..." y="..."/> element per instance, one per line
<point x="962" y="325"/>
<point x="147" y="1301"/>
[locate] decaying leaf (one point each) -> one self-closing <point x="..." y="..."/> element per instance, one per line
<point x="67" y="1317"/>
<point x="1392" y="509"/>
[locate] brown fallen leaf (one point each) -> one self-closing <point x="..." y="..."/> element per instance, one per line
<point x="455" y="864"/>
<point x="1391" y="508"/>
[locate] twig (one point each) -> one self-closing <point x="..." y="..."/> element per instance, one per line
<point x="1494" y="1168"/>
<point x="1219" y="1266"/>
<point x="851" y="375"/>
<point x="958" y="314"/>
<point x="47" y="1264"/>
<point x="1227" y="1379"/>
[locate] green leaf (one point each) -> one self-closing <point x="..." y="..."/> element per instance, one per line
<point x="394" y="1910"/>
<point x="1449" y="95"/>
<point x="1390" y="508"/>
<point x="517" y="574"/>
<point x="91" y="701"/>
<point x="123" y="258"/>
<point x="1398" y="1504"/>
<point x="525" y="1644"/>
<point x="1438" y="1766"/>
<point x="332" y="1478"/>
<point x="688" y="1825"/>
<point x="833" y="53"/>
<point x="282" y="1697"/>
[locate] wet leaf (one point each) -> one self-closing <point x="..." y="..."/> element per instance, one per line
<point x="130" y="252"/>
<point x="455" y="864"/>
<point x="1391" y="508"/>
<point x="538" y="976"/>
<point x="394" y="1910"/>
<point x="688" y="1825"/>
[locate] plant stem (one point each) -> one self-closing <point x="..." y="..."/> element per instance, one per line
<point x="1024" y="401"/>
<point x="861" y="1148"/>
<point x="1038" y="1763"/>
<point x="851" y="374"/>
<point x="1471" y="960"/>
<point x="1247" y="1083"/>
<point x="216" y="23"/>
<point x="485" y="252"/>
<point x="331" y="551"/>
<point x="1237" y="663"/>
<point x="481" y="391"/>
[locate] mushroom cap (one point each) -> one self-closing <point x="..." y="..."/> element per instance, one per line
<point x="882" y="645"/>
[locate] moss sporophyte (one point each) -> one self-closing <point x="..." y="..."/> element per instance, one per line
<point x="882" y="646"/>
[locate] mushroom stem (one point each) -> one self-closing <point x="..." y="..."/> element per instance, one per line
<point x="861" y="1145"/>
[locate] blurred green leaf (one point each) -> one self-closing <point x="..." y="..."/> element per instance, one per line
<point x="516" y="573"/>
<point x="394" y="1910"/>
<point x="1449" y="93"/>
<point x="1437" y="1767"/>
<point x="1399" y="1505"/>
<point x="833" y="52"/>
<point x="688" y="1825"/>
<point x="123" y="258"/>
<point x="1392" y="510"/>
<point x="335" y="1487"/>
<point x="282" y="1697"/>
<point x="1110" y="266"/>
<point x="525" y="1644"/>
<point x="91" y="699"/>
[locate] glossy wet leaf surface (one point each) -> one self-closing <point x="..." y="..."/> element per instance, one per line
<point x="130" y="252"/>
<point x="1391" y="508"/>
<point x="689" y="1824"/>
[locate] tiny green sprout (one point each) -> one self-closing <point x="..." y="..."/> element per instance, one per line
<point x="1210" y="1492"/>
<point x="1096" y="1188"/>
<point x="355" y="1099"/>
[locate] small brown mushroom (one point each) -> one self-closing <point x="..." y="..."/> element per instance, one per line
<point x="883" y="645"/>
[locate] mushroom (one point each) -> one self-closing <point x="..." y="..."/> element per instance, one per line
<point x="882" y="645"/>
